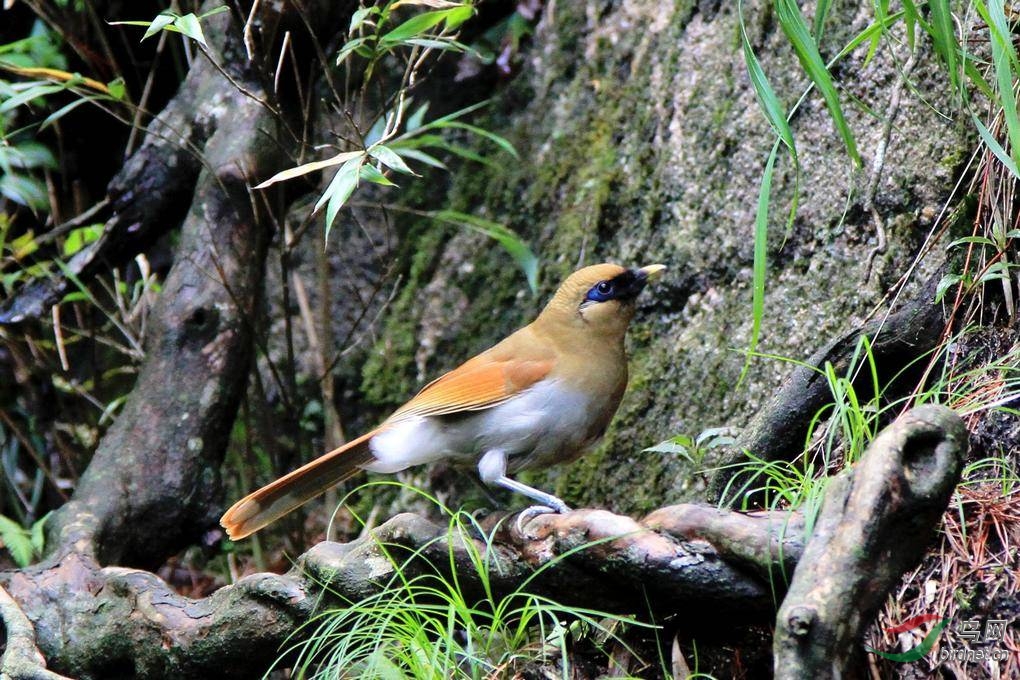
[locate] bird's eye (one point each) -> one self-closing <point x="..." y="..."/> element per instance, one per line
<point x="601" y="291"/>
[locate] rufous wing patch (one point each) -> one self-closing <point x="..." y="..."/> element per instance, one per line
<point x="473" y="386"/>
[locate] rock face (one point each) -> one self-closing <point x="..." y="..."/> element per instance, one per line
<point x="641" y="141"/>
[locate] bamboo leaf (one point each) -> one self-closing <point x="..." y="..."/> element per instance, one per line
<point x="310" y="167"/>
<point x="415" y="26"/>
<point x="158" y="24"/>
<point x="191" y="27"/>
<point x="343" y="184"/>
<point x="501" y="142"/>
<point x="371" y="173"/>
<point x="510" y="241"/>
<point x="390" y="159"/>
<point x="994" y="146"/>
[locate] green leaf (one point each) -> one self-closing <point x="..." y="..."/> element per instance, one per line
<point x="81" y="237"/>
<point x="944" y="284"/>
<point x="38" y="532"/>
<point x="481" y="132"/>
<point x="821" y="14"/>
<point x="390" y="159"/>
<point x="29" y="154"/>
<point x="340" y="189"/>
<point x="117" y="89"/>
<point x="994" y="146"/>
<point x="439" y="44"/>
<point x="996" y="271"/>
<point x="943" y="36"/>
<point x="460" y="113"/>
<point x="27" y="191"/>
<point x="215" y="10"/>
<point x="767" y="99"/>
<point x="349" y="48"/>
<point x="156" y="25"/>
<point x="468" y="154"/>
<point x="414" y="121"/>
<point x="795" y="27"/>
<point x="360" y="16"/>
<point x="75" y="296"/>
<point x="510" y="241"/>
<point x="457" y="16"/>
<point x="29" y="94"/>
<point x="415" y="26"/>
<point x="981" y="240"/>
<point x="423" y="157"/>
<point x="191" y="27"/>
<point x="911" y="17"/>
<point x="1005" y="59"/>
<point x="63" y="111"/>
<point x="372" y="174"/>
<point x="17" y="541"/>
<point x="761" y="231"/>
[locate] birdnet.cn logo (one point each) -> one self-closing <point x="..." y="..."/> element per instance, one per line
<point x="971" y="630"/>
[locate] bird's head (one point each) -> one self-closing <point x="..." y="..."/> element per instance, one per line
<point x="599" y="298"/>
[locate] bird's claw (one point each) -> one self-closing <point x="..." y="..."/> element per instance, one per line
<point x="530" y="513"/>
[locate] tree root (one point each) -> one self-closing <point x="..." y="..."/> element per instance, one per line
<point x="730" y="567"/>
<point x="874" y="525"/>
<point x="21" y="659"/>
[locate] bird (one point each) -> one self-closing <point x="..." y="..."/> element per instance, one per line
<point x="543" y="395"/>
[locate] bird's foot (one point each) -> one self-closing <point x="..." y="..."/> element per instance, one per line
<point x="530" y="513"/>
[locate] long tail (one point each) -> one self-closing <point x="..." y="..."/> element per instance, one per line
<point x="293" y="490"/>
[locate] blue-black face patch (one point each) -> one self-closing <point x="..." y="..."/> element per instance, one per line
<point x="624" y="286"/>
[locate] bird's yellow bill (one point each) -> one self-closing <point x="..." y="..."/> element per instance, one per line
<point x="653" y="270"/>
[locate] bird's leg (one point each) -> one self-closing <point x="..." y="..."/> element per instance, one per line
<point x="492" y="470"/>
<point x="546" y="500"/>
<point x="485" y="489"/>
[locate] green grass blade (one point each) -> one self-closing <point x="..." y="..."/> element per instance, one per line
<point x="510" y="241"/>
<point x="993" y="145"/>
<point x="761" y="232"/>
<point x="767" y="99"/>
<point x="795" y="27"/>
<point x="821" y="14"/>
<point x="1005" y="59"/>
<point x="943" y="36"/>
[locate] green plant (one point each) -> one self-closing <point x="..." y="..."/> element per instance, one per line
<point x="695" y="448"/>
<point x="400" y="135"/>
<point x="424" y="623"/>
<point x="966" y="73"/>
<point x="24" y="544"/>
<point x="840" y="431"/>
<point x="189" y="25"/>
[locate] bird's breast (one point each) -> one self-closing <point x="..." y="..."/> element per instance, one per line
<point x="548" y="423"/>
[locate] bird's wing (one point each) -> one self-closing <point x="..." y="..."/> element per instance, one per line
<point x="478" y="384"/>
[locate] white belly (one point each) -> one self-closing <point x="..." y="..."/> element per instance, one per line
<point x="543" y="424"/>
